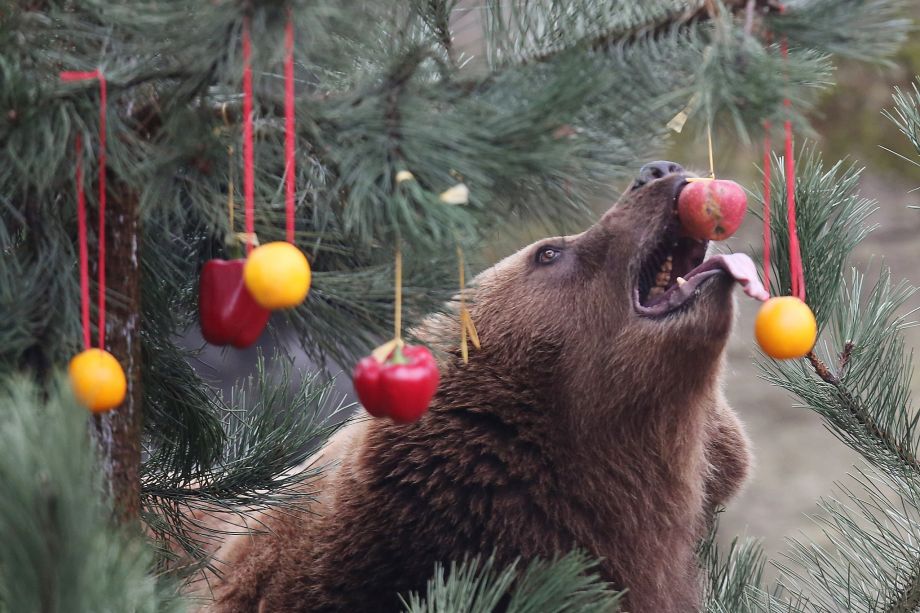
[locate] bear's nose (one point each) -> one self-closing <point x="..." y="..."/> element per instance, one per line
<point x="656" y="170"/>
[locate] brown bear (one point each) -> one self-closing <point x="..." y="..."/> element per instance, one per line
<point x="591" y="418"/>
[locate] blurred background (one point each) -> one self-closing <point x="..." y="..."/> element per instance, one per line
<point x="797" y="459"/>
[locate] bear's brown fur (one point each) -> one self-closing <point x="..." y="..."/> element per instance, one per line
<point x="580" y="423"/>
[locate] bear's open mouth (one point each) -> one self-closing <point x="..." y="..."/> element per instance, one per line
<point x="674" y="271"/>
<point x="671" y="273"/>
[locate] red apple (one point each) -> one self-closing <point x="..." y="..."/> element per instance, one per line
<point x="711" y="209"/>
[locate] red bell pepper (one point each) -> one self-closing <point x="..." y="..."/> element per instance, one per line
<point x="401" y="387"/>
<point x="228" y="313"/>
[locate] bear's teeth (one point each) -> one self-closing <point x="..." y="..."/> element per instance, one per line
<point x="681" y="280"/>
<point x="655" y="292"/>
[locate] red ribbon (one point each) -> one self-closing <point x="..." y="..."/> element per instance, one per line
<point x="289" y="134"/>
<point x="81" y="239"/>
<point x="248" y="164"/>
<point x="81" y="209"/>
<point x="796" y="270"/>
<point x="767" y="173"/>
<point x="289" y="160"/>
<point x="795" y="255"/>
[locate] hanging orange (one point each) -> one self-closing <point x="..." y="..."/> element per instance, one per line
<point x="97" y="379"/>
<point x="785" y="328"/>
<point x="277" y="275"/>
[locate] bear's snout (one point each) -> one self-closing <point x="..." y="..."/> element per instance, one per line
<point x="656" y="170"/>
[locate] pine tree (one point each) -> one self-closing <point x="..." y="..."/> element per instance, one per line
<point x="858" y="381"/>
<point x="535" y="106"/>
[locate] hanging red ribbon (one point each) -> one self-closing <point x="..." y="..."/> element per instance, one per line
<point x="289" y="134"/>
<point x="796" y="270"/>
<point x="289" y="160"/>
<point x="81" y="239"/>
<point x="795" y="254"/>
<point x="248" y="161"/>
<point x="767" y="177"/>
<point x="81" y="210"/>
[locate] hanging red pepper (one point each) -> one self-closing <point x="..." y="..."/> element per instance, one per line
<point x="401" y="387"/>
<point x="228" y="313"/>
<point x="397" y="380"/>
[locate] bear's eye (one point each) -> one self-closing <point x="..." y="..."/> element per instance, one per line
<point x="547" y="255"/>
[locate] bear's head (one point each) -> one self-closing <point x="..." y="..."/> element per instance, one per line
<point x="624" y="315"/>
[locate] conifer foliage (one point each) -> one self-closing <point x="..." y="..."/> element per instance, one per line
<point x="535" y="106"/>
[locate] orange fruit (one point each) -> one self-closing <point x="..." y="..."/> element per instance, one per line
<point x="97" y="379"/>
<point x="277" y="275"/>
<point x="785" y="328"/>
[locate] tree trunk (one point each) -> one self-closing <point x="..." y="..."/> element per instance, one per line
<point x="118" y="432"/>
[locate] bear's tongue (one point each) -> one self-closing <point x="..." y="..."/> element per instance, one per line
<point x="738" y="265"/>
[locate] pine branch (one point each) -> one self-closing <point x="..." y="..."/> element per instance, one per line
<point x="533" y="31"/>
<point x="741" y="80"/>
<point x="732" y="578"/>
<point x="437" y="16"/>
<point x="868" y="406"/>
<point x="566" y="584"/>
<point x="181" y="410"/>
<point x="906" y="116"/>
<point x="908" y="600"/>
<point x="672" y="19"/>
<point x="865" y="30"/>
<point x="872" y="563"/>
<point x="270" y="429"/>
<point x="61" y="551"/>
<point x="857" y="412"/>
